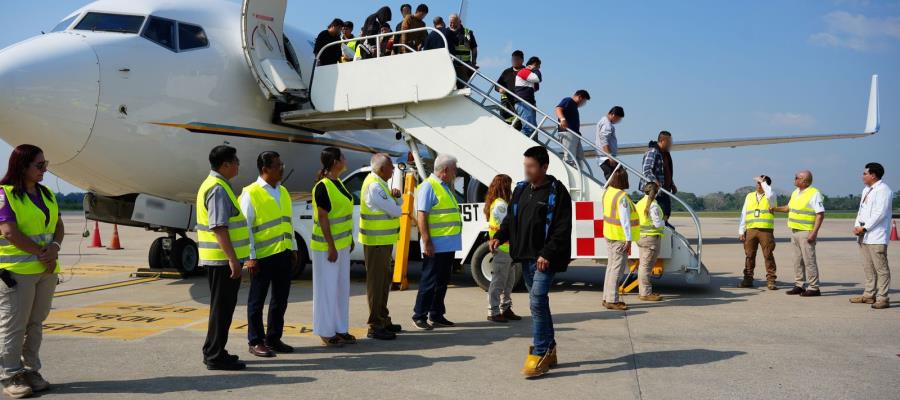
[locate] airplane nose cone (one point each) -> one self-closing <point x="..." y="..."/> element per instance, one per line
<point x="49" y="87"/>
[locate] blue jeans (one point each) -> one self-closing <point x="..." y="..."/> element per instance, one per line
<point x="538" y="284"/>
<point x="526" y="113"/>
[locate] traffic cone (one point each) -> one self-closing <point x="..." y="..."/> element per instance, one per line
<point x="894" y="237"/>
<point x="114" y="243"/>
<point x="95" y="243"/>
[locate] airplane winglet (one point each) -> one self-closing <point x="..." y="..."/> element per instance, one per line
<point x="873" y="120"/>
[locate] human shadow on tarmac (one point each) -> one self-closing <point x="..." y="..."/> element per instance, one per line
<point x="650" y="359"/>
<point x="353" y="362"/>
<point x="169" y="384"/>
<point x="734" y="240"/>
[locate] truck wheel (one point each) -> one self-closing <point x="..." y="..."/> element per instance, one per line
<point x="480" y="266"/>
<point x="302" y="258"/>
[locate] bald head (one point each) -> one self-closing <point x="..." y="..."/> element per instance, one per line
<point x="803" y="179"/>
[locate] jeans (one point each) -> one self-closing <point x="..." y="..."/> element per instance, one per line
<point x="538" y="284"/>
<point x="274" y="271"/>
<point x="433" y="287"/>
<point x="527" y="113"/>
<point x="572" y="143"/>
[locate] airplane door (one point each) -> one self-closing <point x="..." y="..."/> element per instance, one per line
<point x="262" y="33"/>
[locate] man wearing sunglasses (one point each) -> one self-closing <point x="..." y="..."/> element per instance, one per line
<point x="805" y="215"/>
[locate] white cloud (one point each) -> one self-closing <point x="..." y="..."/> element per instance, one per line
<point x="790" y="120"/>
<point x="856" y="31"/>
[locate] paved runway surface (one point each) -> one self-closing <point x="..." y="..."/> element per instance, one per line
<point x="142" y="340"/>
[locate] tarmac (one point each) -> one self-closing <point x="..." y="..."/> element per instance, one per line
<point x="111" y="336"/>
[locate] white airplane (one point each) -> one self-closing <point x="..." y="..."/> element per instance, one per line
<point x="127" y="98"/>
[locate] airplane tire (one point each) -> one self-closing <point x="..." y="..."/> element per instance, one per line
<point x="156" y="256"/>
<point x="185" y="256"/>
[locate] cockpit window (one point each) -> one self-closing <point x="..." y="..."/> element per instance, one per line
<point x="94" y="21"/>
<point x="64" y="24"/>
<point x="161" y="31"/>
<point x="191" y="37"/>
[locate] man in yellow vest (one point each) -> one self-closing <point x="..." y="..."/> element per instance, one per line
<point x="379" y="229"/>
<point x="267" y="206"/>
<point x="805" y="215"/>
<point x="224" y="244"/>
<point x="440" y="225"/>
<point x="757" y="227"/>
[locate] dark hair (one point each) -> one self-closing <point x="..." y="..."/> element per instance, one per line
<point x="438" y="21"/>
<point x="663" y="133"/>
<point x="583" y="93"/>
<point x="336" y="22"/>
<point x="422" y="8"/>
<point x="386" y="25"/>
<point x="329" y="156"/>
<point x="767" y="179"/>
<point x="265" y="159"/>
<point x="19" y="161"/>
<point x="518" y="53"/>
<point x="220" y="155"/>
<point x="348" y="24"/>
<point x="617" y="111"/>
<point x="619" y="179"/>
<point x="539" y="153"/>
<point x="875" y="169"/>
<point x="533" y="60"/>
<point x="405" y="6"/>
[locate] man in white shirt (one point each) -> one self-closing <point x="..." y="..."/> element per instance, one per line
<point x="606" y="139"/>
<point x="756" y="229"/>
<point x="872" y="226"/>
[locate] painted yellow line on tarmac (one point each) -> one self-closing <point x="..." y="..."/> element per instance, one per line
<point x="120" y="320"/>
<point x="96" y="269"/>
<point x="113" y="285"/>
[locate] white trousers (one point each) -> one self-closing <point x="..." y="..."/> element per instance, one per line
<point x="331" y="293"/>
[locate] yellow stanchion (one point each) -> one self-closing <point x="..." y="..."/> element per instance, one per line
<point x="401" y="257"/>
<point x="632" y="267"/>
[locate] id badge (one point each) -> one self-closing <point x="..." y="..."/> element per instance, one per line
<point x="756" y="213"/>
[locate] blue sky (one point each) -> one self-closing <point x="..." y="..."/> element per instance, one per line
<point x="700" y="69"/>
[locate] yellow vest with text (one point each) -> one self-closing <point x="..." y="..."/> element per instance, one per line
<point x="494" y="225"/>
<point x="647" y="228"/>
<point x="238" y="233"/>
<point x="612" y="227"/>
<point x="271" y="226"/>
<point x="30" y="221"/>
<point x="444" y="218"/>
<point x="375" y="226"/>
<point x="765" y="219"/>
<point x="340" y="218"/>
<point x="800" y="216"/>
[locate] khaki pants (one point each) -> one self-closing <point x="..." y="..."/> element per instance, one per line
<point x="805" y="268"/>
<point x="649" y="246"/>
<point x="765" y="238"/>
<point x="503" y="279"/>
<point x="23" y="309"/>
<point x="616" y="263"/>
<point x="878" y="274"/>
<point x="378" y="283"/>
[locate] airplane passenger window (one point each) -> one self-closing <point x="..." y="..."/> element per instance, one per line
<point x="64" y="24"/>
<point x="93" y="21"/>
<point x="160" y="31"/>
<point x="191" y="37"/>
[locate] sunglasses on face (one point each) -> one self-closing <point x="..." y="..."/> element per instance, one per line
<point x="42" y="165"/>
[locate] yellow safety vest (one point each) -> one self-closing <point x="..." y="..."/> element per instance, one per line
<point x="30" y="221"/>
<point x="340" y="218"/>
<point x="494" y="225"/>
<point x="375" y="226"/>
<point x="758" y="215"/>
<point x="444" y="218"/>
<point x="462" y="50"/>
<point x="801" y="217"/>
<point x="612" y="228"/>
<point x="353" y="46"/>
<point x="647" y="228"/>
<point x="238" y="233"/>
<point x="271" y="226"/>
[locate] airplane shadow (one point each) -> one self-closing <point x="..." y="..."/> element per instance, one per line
<point x="650" y="359"/>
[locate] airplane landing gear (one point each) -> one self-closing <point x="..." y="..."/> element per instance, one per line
<point x="171" y="252"/>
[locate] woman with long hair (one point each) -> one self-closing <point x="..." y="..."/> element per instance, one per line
<point x="32" y="232"/>
<point x="331" y="243"/>
<point x="653" y="224"/>
<point x="502" y="273"/>
<point x="620" y="227"/>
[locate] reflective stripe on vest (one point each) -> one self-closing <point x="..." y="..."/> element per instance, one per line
<point x="800" y="216"/>
<point x="340" y="218"/>
<point x="271" y="228"/>
<point x="444" y="218"/>
<point x="647" y="228"/>
<point x="765" y="219"/>
<point x="30" y="220"/>
<point x="375" y="226"/>
<point x="494" y="224"/>
<point x="207" y="245"/>
<point x="612" y="227"/>
<point x="462" y="50"/>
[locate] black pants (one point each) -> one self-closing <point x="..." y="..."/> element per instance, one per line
<point x="274" y="270"/>
<point x="665" y="203"/>
<point x="223" y="293"/>
<point x="433" y="286"/>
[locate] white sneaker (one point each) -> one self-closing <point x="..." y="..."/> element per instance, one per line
<point x="36" y="381"/>
<point x="17" y="387"/>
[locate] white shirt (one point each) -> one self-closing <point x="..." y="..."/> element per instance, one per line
<point x="773" y="202"/>
<point x="250" y="213"/>
<point x="625" y="217"/>
<point x="377" y="199"/>
<point x="606" y="135"/>
<point x="875" y="213"/>
<point x="656" y="216"/>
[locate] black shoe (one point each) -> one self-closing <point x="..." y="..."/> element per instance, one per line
<point x="811" y="293"/>
<point x="226" y="366"/>
<point x="795" y="290"/>
<point x="422" y="324"/>
<point x="442" y="322"/>
<point x="394" y="328"/>
<point x="280" y="347"/>
<point x="381" y="334"/>
<point x="746" y="283"/>
<point x="510" y="315"/>
<point x="231" y="358"/>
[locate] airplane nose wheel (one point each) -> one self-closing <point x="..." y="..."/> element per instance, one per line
<point x="169" y="252"/>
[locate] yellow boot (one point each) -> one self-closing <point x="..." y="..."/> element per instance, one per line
<point x="535" y="365"/>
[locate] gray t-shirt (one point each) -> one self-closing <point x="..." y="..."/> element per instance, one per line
<point x="606" y="135"/>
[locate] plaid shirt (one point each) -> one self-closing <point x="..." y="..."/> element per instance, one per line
<point x="653" y="165"/>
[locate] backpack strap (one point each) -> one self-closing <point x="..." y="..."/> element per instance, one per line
<point x="515" y="198"/>
<point x="551" y="205"/>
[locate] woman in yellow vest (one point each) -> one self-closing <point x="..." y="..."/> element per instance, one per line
<point x="331" y="244"/>
<point x="653" y="224"/>
<point x="32" y="232"/>
<point x="502" y="273"/>
<point x="620" y="226"/>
